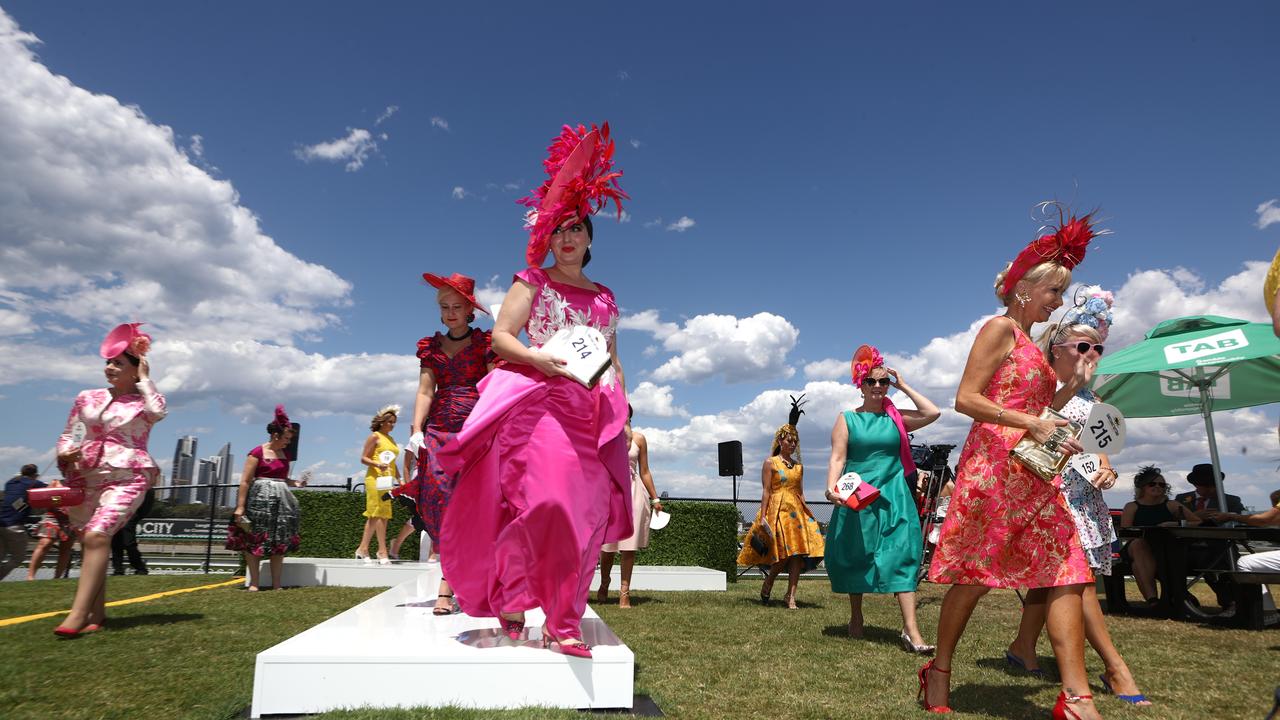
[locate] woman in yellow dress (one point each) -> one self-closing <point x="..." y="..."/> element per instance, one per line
<point x="785" y="533"/>
<point x="376" y="510"/>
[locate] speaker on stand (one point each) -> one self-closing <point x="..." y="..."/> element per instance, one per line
<point x="731" y="464"/>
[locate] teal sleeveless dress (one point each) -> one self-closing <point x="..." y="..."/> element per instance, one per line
<point x="875" y="550"/>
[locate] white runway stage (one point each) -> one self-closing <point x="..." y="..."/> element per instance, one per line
<point x="424" y="660"/>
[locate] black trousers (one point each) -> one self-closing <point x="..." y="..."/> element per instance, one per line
<point x="126" y="541"/>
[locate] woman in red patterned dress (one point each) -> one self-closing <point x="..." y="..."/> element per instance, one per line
<point x="1007" y="528"/>
<point x="452" y="364"/>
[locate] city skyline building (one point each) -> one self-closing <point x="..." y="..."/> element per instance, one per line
<point x="184" y="470"/>
<point x="216" y="470"/>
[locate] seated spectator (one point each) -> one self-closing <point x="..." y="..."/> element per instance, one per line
<point x="1263" y="562"/>
<point x="1204" y="498"/>
<point x="1151" y="507"/>
<point x="14" y="516"/>
<point x="1205" y="554"/>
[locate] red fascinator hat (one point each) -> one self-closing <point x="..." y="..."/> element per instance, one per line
<point x="582" y="182"/>
<point x="125" y="338"/>
<point x="1065" y="246"/>
<point x="865" y="359"/>
<point x="459" y="283"/>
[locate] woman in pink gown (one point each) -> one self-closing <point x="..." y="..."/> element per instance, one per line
<point x="543" y="480"/>
<point x="1006" y="527"/>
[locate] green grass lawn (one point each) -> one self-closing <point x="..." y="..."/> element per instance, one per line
<point x="698" y="655"/>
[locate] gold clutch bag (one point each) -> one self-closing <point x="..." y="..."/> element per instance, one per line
<point x="1045" y="460"/>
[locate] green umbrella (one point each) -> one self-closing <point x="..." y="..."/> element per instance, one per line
<point x="1194" y="365"/>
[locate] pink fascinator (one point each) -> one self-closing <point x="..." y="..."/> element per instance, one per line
<point x="865" y="359"/>
<point x="1065" y="246"/>
<point x="282" y="419"/>
<point x="125" y="338"/>
<point x="582" y="182"/>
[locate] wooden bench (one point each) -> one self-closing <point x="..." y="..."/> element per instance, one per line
<point x="1248" y="596"/>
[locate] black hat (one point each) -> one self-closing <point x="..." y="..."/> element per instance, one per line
<point x="1202" y="474"/>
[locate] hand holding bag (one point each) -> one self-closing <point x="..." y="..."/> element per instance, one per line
<point x="761" y="538"/>
<point x="854" y="492"/>
<point x="1045" y="459"/>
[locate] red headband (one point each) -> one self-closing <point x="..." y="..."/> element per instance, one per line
<point x="1065" y="247"/>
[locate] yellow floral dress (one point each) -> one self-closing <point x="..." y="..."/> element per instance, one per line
<point x="374" y="505"/>
<point x="790" y="523"/>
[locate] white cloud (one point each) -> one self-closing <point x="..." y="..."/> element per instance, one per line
<point x="623" y="219"/>
<point x="492" y="295"/>
<point x="353" y="149"/>
<point x="1269" y="213"/>
<point x="439" y="122"/>
<point x="386" y="114"/>
<point x="13" y="457"/>
<point x="168" y="245"/>
<point x="654" y="401"/>
<point x="636" y="143"/>
<point x="459" y="193"/>
<point x="828" y="369"/>
<point x="656" y="222"/>
<point x="684" y="223"/>
<point x="648" y="321"/>
<point x="737" y="349"/>
<point x="624" y="75"/>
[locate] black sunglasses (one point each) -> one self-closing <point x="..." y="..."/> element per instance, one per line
<point x="882" y="382"/>
<point x="1083" y="347"/>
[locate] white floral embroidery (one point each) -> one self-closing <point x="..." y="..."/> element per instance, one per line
<point x="551" y="312"/>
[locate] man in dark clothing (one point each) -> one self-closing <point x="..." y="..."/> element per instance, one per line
<point x="1209" y="554"/>
<point x="127" y="540"/>
<point x="14" y="516"/>
<point x="1204" y="499"/>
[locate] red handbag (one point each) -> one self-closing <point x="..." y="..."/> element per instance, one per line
<point x="854" y="492"/>
<point x="48" y="498"/>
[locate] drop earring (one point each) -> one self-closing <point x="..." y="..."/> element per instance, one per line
<point x="1022" y="299"/>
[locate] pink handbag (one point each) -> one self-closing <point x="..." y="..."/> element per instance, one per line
<point x="48" y="498"/>
<point x="854" y="492"/>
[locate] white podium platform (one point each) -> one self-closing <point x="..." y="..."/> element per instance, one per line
<point x="423" y="660"/>
<point x="665" y="577"/>
<point x="344" y="572"/>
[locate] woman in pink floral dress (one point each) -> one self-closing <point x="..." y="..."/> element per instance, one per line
<point x="103" y="449"/>
<point x="1007" y="528"/>
<point x="543" y="479"/>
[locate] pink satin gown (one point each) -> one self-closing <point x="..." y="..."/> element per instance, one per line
<point x="543" y="479"/>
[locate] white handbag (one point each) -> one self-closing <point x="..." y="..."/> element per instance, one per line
<point x="585" y="350"/>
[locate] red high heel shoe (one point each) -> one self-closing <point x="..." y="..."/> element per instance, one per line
<point x="923" y="695"/>
<point x="1060" y="709"/>
<point x="66" y="632"/>
<point x="512" y="628"/>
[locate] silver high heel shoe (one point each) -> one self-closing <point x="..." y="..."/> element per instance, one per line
<point x="364" y="559"/>
<point x="914" y="648"/>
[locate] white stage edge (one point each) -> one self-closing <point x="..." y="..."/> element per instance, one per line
<point x="344" y="572"/>
<point x="419" y="659"/>
<point x="665" y="578"/>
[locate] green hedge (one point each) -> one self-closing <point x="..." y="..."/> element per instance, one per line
<point x="332" y="523"/>
<point x="700" y="533"/>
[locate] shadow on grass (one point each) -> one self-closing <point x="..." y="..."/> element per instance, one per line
<point x="870" y="633"/>
<point x="132" y="621"/>
<point x="1006" y="701"/>
<point x="1000" y="664"/>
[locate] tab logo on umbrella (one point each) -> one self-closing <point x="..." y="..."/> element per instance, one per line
<point x="1175" y="384"/>
<point x="1203" y="347"/>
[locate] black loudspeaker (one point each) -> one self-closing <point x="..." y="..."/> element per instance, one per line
<point x="730" y="458"/>
<point x="291" y="452"/>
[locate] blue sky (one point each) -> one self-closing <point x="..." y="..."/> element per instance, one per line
<point x="803" y="181"/>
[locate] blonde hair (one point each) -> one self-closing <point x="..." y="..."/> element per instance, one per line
<point x="1055" y="332"/>
<point x="1040" y="272"/>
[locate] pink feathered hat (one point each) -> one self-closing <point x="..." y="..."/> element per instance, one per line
<point x="125" y="338"/>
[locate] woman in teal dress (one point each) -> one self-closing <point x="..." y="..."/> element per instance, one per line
<point x="877" y="549"/>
